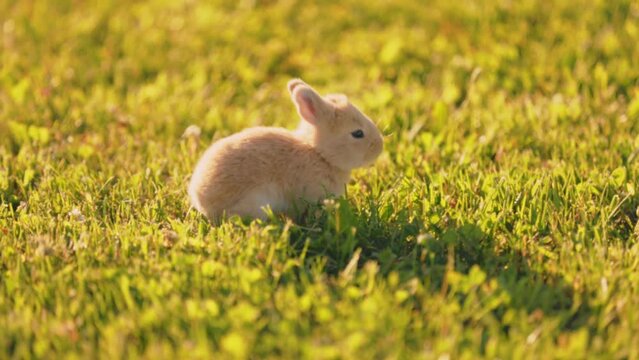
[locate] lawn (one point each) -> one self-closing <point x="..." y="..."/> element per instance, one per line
<point x="500" y="221"/>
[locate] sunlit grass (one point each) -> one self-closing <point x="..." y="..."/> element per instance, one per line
<point x="500" y="222"/>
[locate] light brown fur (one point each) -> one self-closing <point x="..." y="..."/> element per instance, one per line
<point x="267" y="166"/>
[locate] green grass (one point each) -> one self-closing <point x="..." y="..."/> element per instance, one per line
<point x="500" y="222"/>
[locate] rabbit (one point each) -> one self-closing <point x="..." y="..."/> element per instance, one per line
<point x="285" y="170"/>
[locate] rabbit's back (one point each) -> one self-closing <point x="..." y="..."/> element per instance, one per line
<point x="258" y="167"/>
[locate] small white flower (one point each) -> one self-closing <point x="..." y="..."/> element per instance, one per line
<point x="192" y="132"/>
<point x="76" y="215"/>
<point x="79" y="245"/>
<point x="330" y="203"/>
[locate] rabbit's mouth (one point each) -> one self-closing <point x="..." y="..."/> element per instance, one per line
<point x="371" y="156"/>
<point x="375" y="148"/>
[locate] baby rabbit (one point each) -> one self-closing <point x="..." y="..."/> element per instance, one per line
<point x="284" y="170"/>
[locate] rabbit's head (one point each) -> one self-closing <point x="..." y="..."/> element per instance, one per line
<point x="342" y="134"/>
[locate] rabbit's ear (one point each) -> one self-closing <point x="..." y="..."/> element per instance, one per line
<point x="339" y="100"/>
<point x="309" y="103"/>
<point x="293" y="84"/>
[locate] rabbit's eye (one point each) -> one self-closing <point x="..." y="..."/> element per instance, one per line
<point x="358" y="134"/>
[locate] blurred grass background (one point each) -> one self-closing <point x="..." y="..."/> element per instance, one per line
<point x="499" y="222"/>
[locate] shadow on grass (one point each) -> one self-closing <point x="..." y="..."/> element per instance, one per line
<point x="429" y="252"/>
